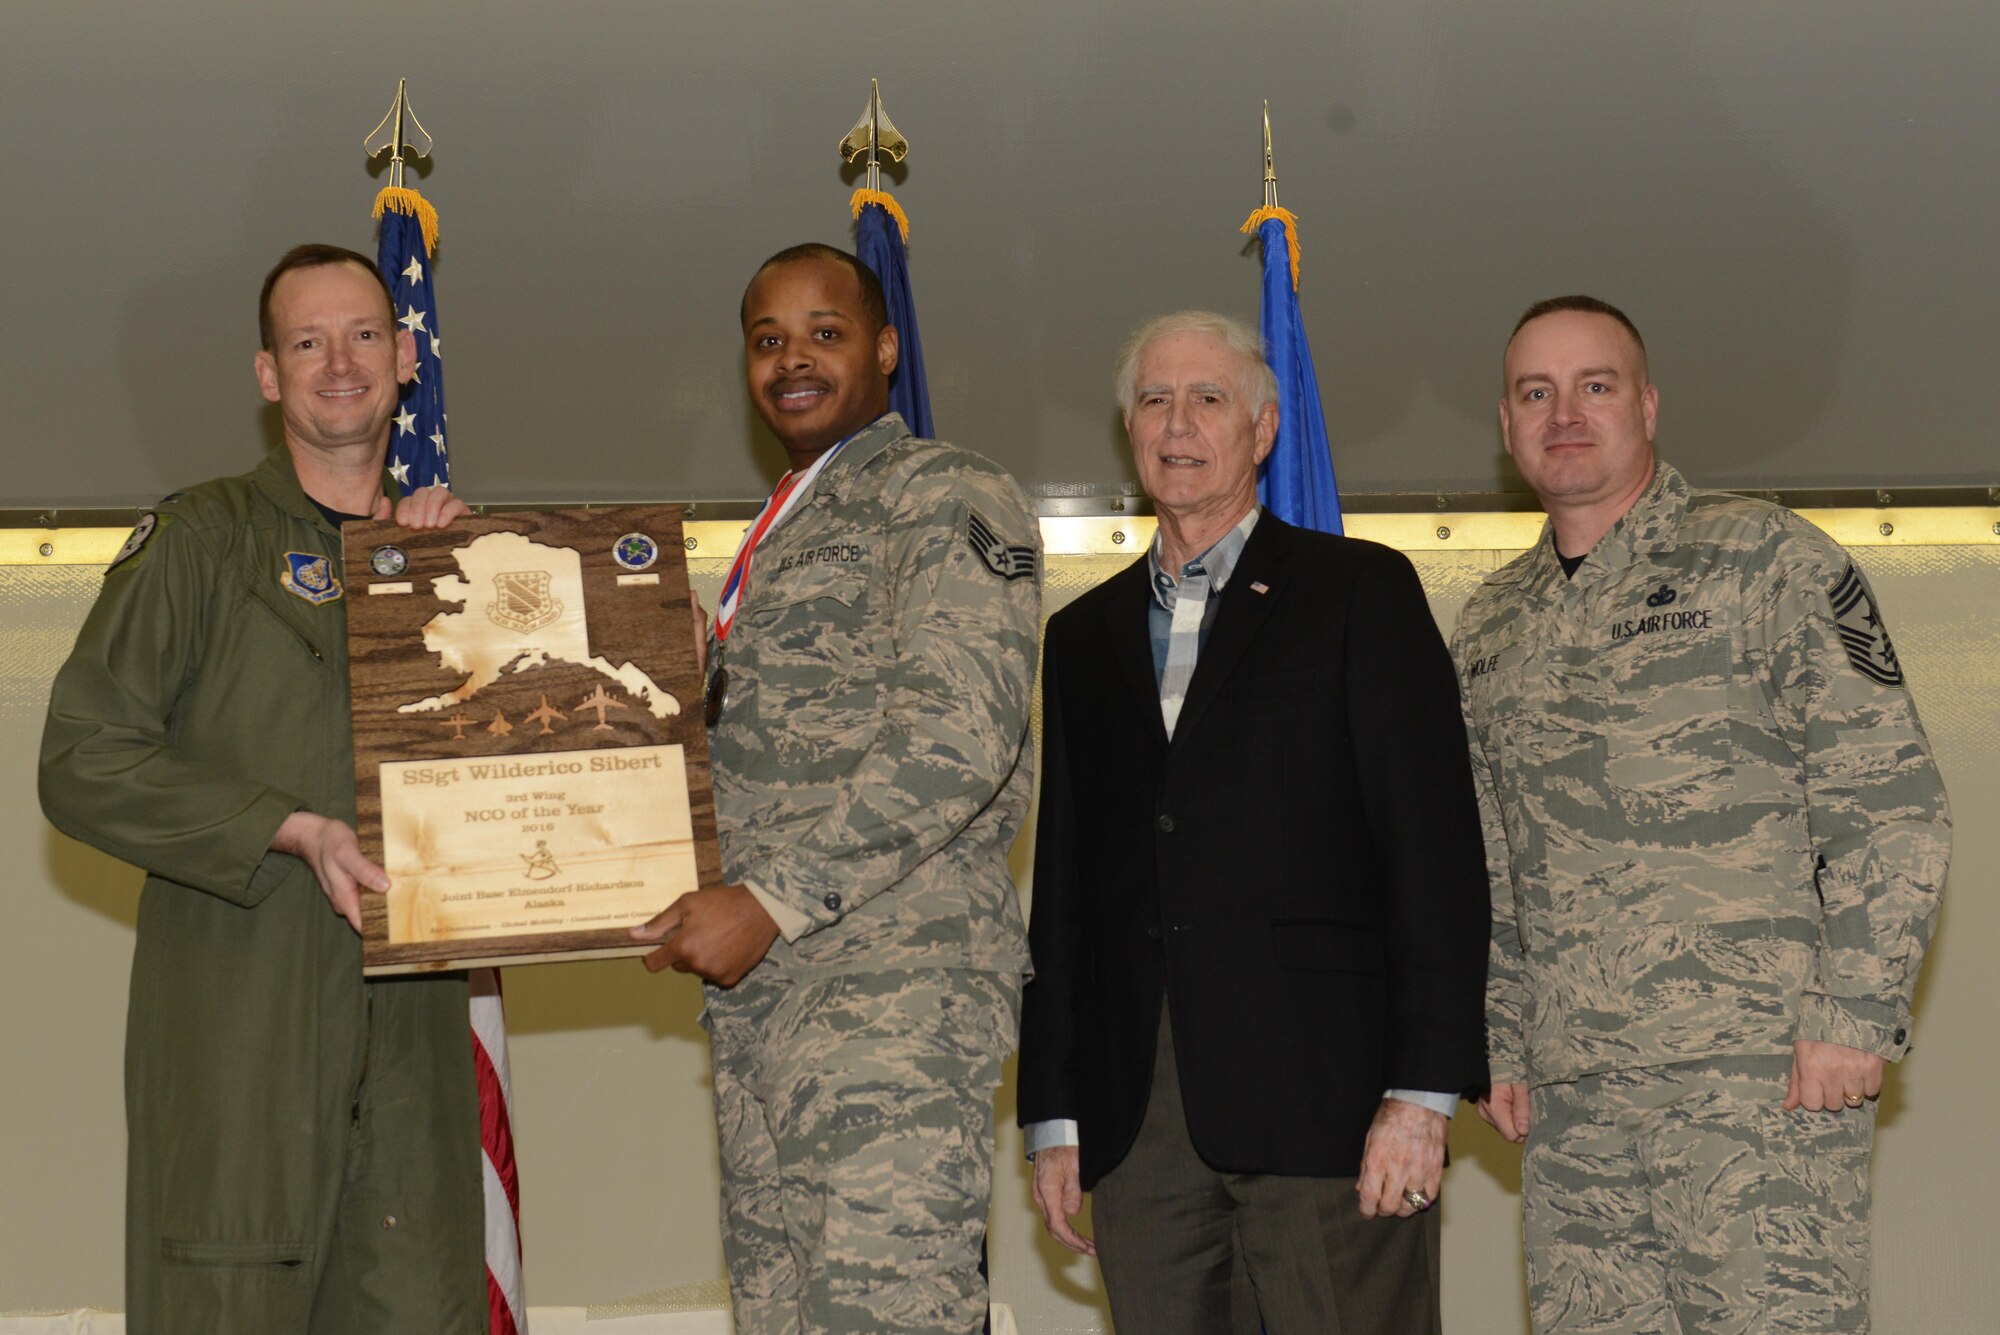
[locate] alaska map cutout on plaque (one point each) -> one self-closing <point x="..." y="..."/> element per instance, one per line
<point x="530" y="762"/>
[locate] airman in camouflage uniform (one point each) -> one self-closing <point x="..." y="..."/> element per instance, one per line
<point x="1716" y="840"/>
<point x="871" y="770"/>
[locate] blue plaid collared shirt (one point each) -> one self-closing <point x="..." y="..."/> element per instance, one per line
<point x="1178" y="631"/>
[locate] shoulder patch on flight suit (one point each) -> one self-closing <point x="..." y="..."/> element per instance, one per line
<point x="1862" y="633"/>
<point x="1007" y="562"/>
<point x="310" y="576"/>
<point x="141" y="531"/>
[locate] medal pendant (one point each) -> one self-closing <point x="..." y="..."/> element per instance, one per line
<point x="718" y="695"/>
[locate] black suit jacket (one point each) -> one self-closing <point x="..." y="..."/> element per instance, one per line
<point x="1300" y="872"/>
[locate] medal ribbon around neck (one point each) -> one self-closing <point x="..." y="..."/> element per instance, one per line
<point x="785" y="497"/>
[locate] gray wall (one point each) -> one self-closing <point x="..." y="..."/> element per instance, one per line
<point x="1793" y="198"/>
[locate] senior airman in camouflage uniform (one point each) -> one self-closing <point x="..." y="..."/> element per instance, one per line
<point x="872" y="668"/>
<point x="1716" y="840"/>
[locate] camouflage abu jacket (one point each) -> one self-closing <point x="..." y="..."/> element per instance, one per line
<point x="1713" y="823"/>
<point x="871" y="761"/>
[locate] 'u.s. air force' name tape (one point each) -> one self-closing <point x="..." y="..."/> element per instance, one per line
<point x="1003" y="560"/>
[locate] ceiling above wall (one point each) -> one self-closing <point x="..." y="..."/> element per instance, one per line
<point x="1793" y="199"/>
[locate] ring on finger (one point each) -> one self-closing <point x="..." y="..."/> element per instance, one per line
<point x="1853" y="1100"/>
<point x="1418" y="1201"/>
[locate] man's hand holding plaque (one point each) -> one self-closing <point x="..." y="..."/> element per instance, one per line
<point x="718" y="934"/>
<point x="332" y="850"/>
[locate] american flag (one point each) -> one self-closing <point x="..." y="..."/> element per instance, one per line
<point x="417" y="454"/>
<point x="506" y="1309"/>
<point x="417" y="459"/>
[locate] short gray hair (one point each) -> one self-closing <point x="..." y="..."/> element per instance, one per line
<point x="1260" y="385"/>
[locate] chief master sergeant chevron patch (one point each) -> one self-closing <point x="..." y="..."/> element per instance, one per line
<point x="1862" y="633"/>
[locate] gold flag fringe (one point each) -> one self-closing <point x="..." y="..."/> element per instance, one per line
<point x="1291" y="222"/>
<point x="411" y="204"/>
<point x="864" y="197"/>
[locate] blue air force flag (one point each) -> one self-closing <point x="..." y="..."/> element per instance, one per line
<point x="880" y="229"/>
<point x="1296" y="482"/>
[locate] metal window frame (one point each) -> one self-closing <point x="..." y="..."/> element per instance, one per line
<point x="1101" y="525"/>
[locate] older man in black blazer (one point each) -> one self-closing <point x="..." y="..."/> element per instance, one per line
<point x="1260" y="905"/>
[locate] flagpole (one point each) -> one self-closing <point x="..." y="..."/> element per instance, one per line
<point x="882" y="230"/>
<point x="873" y="135"/>
<point x="393" y="135"/>
<point x="1270" y="163"/>
<point x="1296" y="480"/>
<point x="417" y="457"/>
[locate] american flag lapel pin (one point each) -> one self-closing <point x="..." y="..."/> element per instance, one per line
<point x="1259" y="586"/>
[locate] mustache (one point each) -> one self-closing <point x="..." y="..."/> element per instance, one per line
<point x="795" y="383"/>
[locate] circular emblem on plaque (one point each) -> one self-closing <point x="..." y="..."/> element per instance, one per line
<point x="388" y="561"/>
<point x="636" y="551"/>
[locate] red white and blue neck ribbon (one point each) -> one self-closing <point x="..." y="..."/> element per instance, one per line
<point x="792" y="488"/>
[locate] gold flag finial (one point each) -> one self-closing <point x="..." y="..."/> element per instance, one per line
<point x="1270" y="164"/>
<point x="1271" y="212"/>
<point x="400" y="130"/>
<point x="874" y="135"/>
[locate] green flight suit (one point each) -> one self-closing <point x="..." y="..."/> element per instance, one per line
<point x="303" y="1146"/>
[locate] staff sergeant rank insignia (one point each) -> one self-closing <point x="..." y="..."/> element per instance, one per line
<point x="1004" y="561"/>
<point x="310" y="576"/>
<point x="1862" y="633"/>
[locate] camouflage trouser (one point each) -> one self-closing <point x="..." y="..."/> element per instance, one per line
<point x="1684" y="1200"/>
<point x="856" y="1119"/>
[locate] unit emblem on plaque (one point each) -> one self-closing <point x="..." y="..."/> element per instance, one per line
<point x="636" y="551"/>
<point x="523" y="600"/>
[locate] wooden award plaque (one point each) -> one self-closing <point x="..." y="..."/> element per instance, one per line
<point x="530" y="762"/>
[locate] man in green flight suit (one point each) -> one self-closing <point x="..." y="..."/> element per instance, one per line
<point x="872" y="668"/>
<point x="1716" y="840"/>
<point x="303" y="1146"/>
